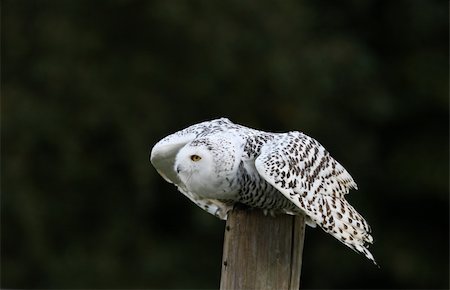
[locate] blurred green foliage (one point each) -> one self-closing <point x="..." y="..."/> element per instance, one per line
<point x="89" y="86"/>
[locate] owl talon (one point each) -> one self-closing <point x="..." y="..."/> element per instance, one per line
<point x="241" y="206"/>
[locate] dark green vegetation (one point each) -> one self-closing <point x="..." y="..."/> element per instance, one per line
<point x="89" y="86"/>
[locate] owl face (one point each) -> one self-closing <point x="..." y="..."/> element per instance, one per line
<point x="201" y="168"/>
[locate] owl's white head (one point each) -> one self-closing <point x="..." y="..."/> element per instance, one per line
<point x="207" y="167"/>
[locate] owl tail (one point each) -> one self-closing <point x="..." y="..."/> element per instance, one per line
<point x="347" y="225"/>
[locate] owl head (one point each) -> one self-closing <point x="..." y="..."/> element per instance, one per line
<point x="207" y="166"/>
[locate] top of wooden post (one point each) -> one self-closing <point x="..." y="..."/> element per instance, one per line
<point x="262" y="252"/>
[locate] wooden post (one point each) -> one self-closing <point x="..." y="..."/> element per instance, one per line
<point x="262" y="252"/>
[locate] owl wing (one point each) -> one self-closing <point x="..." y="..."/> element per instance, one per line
<point x="163" y="156"/>
<point x="305" y="173"/>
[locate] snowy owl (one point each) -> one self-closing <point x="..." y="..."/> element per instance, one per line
<point x="218" y="164"/>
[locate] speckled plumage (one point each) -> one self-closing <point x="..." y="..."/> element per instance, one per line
<point x="218" y="163"/>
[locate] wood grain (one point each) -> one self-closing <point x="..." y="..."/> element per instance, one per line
<point x="262" y="252"/>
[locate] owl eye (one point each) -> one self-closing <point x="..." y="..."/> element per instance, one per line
<point x="195" y="158"/>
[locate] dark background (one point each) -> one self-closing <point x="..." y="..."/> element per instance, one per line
<point x="88" y="87"/>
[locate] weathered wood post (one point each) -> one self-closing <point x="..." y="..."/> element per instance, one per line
<point x="262" y="252"/>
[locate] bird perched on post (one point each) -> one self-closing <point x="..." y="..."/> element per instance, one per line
<point x="218" y="164"/>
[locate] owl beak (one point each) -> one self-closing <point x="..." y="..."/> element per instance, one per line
<point x="178" y="169"/>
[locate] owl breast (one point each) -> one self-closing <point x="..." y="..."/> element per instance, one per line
<point x="255" y="192"/>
